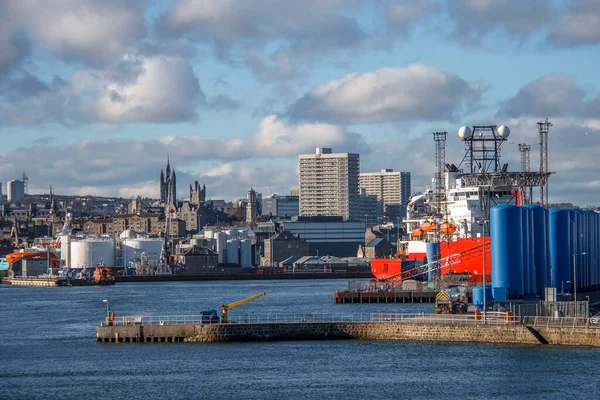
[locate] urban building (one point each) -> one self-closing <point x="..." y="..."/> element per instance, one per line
<point x="392" y="190"/>
<point x="168" y="185"/>
<point x="251" y="206"/>
<point x="295" y="192"/>
<point x="281" y="206"/>
<point x="15" y="191"/>
<point x="369" y="208"/>
<point x="377" y="248"/>
<point x="328" y="235"/>
<point x="194" y="260"/>
<point x="282" y="246"/>
<point x="329" y="184"/>
<point x="197" y="194"/>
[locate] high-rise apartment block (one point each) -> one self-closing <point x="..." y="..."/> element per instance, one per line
<point x="15" y="191"/>
<point x="329" y="184"/>
<point x="392" y="190"/>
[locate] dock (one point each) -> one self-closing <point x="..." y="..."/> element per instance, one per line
<point x="379" y="326"/>
<point x="52" y="281"/>
<point x="399" y="296"/>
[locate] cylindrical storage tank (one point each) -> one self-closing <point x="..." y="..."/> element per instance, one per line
<point x="432" y="251"/>
<point x="245" y="254"/>
<point x="527" y="250"/>
<point x="230" y="234"/>
<point x="478" y="297"/>
<point x="196" y="242"/>
<point x="209" y="234"/>
<point x="540" y="247"/>
<point x="88" y="253"/>
<point x="221" y="241"/>
<point x="507" y="249"/>
<point x="242" y="234"/>
<point x="232" y="252"/>
<point x="559" y="233"/>
<point x="575" y="249"/>
<point x="65" y="250"/>
<point x="133" y="248"/>
<point x="478" y="294"/>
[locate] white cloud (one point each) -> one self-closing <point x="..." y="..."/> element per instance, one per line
<point x="136" y="89"/>
<point x="83" y="30"/>
<point x="579" y="25"/>
<point x="414" y="92"/>
<point x="554" y="95"/>
<point x="128" y="167"/>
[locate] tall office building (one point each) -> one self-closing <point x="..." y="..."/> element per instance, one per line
<point x="392" y="190"/>
<point x="329" y="184"/>
<point x="15" y="191"/>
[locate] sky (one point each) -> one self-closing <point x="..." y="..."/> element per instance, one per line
<point x="94" y="95"/>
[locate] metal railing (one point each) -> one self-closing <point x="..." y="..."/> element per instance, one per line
<point x="491" y="318"/>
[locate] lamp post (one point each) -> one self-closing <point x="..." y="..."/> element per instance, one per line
<point x="483" y="223"/>
<point x="575" y="282"/>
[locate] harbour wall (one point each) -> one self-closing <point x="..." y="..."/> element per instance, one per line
<point x="513" y="333"/>
<point x="245" y="276"/>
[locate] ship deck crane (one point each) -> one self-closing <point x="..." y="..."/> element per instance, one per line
<point x="227" y="307"/>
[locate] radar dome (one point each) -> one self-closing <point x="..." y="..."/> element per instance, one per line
<point x="503" y="131"/>
<point x="465" y="132"/>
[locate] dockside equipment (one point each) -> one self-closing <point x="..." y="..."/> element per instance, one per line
<point x="227" y="307"/>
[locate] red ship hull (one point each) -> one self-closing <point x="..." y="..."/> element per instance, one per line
<point x="469" y="261"/>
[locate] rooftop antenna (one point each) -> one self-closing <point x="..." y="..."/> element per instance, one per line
<point x="544" y="130"/>
<point x="526" y="191"/>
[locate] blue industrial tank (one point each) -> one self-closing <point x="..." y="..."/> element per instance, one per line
<point x="528" y="252"/>
<point x="507" y="249"/>
<point x="432" y="251"/>
<point x="540" y="247"/>
<point x="478" y="294"/>
<point x="559" y="232"/>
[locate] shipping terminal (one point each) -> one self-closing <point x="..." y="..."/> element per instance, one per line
<point x="475" y="236"/>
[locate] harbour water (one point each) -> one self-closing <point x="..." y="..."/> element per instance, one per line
<point x="48" y="350"/>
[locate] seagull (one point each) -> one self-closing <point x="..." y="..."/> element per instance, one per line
<point x="586" y="134"/>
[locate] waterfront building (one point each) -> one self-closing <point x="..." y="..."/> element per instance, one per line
<point x="281" y="206"/>
<point x="328" y="235"/>
<point x="392" y="190"/>
<point x="282" y="246"/>
<point x="329" y="184"/>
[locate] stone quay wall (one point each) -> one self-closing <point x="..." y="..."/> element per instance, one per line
<point x="510" y="333"/>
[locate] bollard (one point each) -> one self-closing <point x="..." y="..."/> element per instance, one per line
<point x="509" y="315"/>
<point x="477" y="315"/>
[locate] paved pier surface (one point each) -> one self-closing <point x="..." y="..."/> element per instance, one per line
<point x="384" y="327"/>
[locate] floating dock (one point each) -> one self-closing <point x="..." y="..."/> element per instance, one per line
<point x="384" y="326"/>
<point x="53" y="281"/>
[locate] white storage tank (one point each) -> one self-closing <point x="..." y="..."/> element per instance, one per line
<point x="133" y="248"/>
<point x="245" y="254"/>
<point x="65" y="249"/>
<point x="221" y="241"/>
<point x="209" y="234"/>
<point x="87" y="253"/>
<point x="232" y="252"/>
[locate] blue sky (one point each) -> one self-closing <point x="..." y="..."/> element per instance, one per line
<point x="94" y="95"/>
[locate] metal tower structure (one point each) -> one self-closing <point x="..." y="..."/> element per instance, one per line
<point x="25" y="180"/>
<point x="544" y="130"/>
<point x="440" y="163"/>
<point x="482" y="148"/>
<point x="526" y="191"/>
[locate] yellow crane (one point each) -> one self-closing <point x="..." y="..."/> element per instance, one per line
<point x="227" y="307"/>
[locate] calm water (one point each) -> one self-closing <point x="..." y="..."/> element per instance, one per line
<point x="47" y="350"/>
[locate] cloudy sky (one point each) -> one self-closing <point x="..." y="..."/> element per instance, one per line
<point x="95" y="94"/>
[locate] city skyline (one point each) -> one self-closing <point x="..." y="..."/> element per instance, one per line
<point x="95" y="106"/>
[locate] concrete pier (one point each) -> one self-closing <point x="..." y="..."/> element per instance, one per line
<point x="467" y="330"/>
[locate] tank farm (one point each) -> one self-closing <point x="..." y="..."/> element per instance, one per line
<point x="537" y="269"/>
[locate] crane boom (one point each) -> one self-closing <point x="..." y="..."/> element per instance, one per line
<point x="227" y="307"/>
